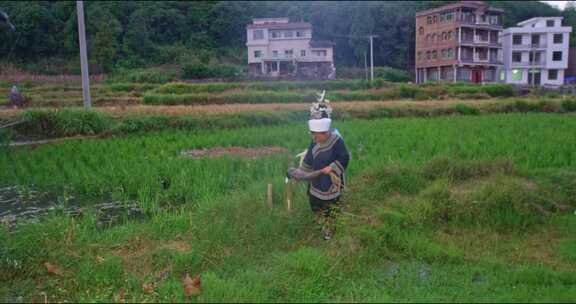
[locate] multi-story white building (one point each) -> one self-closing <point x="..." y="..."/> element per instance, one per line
<point x="536" y="52"/>
<point x="278" y="47"/>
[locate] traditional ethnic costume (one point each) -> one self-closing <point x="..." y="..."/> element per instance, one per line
<point x="324" y="190"/>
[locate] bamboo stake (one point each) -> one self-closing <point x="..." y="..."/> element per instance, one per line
<point x="289" y="195"/>
<point x="269" y="196"/>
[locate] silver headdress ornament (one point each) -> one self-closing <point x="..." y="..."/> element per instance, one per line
<point x="322" y="108"/>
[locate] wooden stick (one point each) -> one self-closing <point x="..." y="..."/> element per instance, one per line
<point x="289" y="195"/>
<point x="269" y="196"/>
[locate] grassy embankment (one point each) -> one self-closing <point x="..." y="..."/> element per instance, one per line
<point x="442" y="209"/>
<point x="177" y="93"/>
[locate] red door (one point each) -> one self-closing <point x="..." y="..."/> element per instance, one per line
<point x="476" y="75"/>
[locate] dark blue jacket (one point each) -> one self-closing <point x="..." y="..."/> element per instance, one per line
<point x="331" y="153"/>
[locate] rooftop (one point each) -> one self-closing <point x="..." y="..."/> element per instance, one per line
<point x="461" y="4"/>
<point x="289" y="25"/>
<point x="321" y="44"/>
<point x="536" y="19"/>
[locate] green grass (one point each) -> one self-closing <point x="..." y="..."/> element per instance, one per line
<point x="416" y="227"/>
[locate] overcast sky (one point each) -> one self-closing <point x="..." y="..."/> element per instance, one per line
<point x="559" y="4"/>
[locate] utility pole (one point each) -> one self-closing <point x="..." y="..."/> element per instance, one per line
<point x="366" y="66"/>
<point x="83" y="55"/>
<point x="372" y="57"/>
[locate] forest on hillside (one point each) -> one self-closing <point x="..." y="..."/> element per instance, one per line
<point x="135" y="34"/>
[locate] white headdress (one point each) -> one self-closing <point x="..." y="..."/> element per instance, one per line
<point x="320" y="113"/>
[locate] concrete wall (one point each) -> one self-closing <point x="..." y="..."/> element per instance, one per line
<point x="537" y="26"/>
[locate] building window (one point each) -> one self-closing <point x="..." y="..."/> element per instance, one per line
<point x="288" y="53"/>
<point x="429" y="20"/>
<point x="494" y="20"/>
<point x="434" y="54"/>
<point x="300" y="34"/>
<point x="419" y="56"/>
<point x="516" y="56"/>
<point x="428" y="38"/>
<point x="303" y="53"/>
<point x="552" y="74"/>
<point x="450" y="53"/>
<point x="557" y="56"/>
<point x="516" y="39"/>
<point x="558" y="38"/>
<point x="433" y="38"/>
<point x="421" y="31"/>
<point x="288" y="34"/>
<point x="550" y="23"/>
<point x="502" y="75"/>
<point x="258" y="35"/>
<point x="444" y="54"/>
<point x="428" y="55"/>
<point x="442" y="18"/>
<point x="319" y="53"/>
<point x="275" y="34"/>
<point x="274" y="53"/>
<point x="444" y="36"/>
<point x="516" y="75"/>
<point x="449" y="16"/>
<point x="257" y="54"/>
<point x="450" y="35"/>
<point x="435" y="19"/>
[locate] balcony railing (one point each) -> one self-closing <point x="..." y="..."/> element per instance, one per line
<point x="473" y="22"/>
<point x="284" y="57"/>
<point x="469" y="40"/>
<point x="529" y="46"/>
<point x="529" y="63"/>
<point x="476" y="60"/>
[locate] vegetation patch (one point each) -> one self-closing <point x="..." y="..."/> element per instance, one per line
<point x="251" y="153"/>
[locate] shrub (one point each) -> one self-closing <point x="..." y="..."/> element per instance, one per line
<point x="140" y="76"/>
<point x="466" y="110"/>
<point x="522" y="106"/>
<point x="67" y="122"/>
<point x="203" y="71"/>
<point x="499" y="90"/>
<point x="569" y="105"/>
<point x="408" y="91"/>
<point x="196" y="71"/>
<point x="385" y="73"/>
<point x="547" y="106"/>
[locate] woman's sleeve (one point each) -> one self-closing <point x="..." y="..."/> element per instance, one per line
<point x="308" y="160"/>
<point x="341" y="158"/>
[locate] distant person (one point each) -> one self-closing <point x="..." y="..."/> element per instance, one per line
<point x="324" y="166"/>
<point x="17" y="100"/>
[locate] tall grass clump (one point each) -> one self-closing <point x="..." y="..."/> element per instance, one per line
<point x="569" y="105"/>
<point x="140" y="76"/>
<point x="228" y="98"/>
<point x="499" y="90"/>
<point x="65" y="122"/>
<point x="203" y="71"/>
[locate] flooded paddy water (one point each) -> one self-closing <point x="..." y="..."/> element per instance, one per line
<point x="20" y="204"/>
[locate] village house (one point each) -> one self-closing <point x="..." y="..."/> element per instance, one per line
<point x="278" y="47"/>
<point x="536" y="52"/>
<point x="459" y="42"/>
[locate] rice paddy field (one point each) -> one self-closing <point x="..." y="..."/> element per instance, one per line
<point x="450" y="209"/>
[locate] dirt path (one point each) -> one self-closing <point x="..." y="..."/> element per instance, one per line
<point x="120" y="111"/>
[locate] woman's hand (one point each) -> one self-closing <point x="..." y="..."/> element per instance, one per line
<point x="327" y="170"/>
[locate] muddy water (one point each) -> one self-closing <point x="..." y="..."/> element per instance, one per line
<point x="22" y="204"/>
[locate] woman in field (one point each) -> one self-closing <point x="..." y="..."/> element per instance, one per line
<point x="325" y="162"/>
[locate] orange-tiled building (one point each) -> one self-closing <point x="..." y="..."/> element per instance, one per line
<point x="459" y="42"/>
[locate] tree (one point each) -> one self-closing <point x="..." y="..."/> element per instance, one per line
<point x="570" y="20"/>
